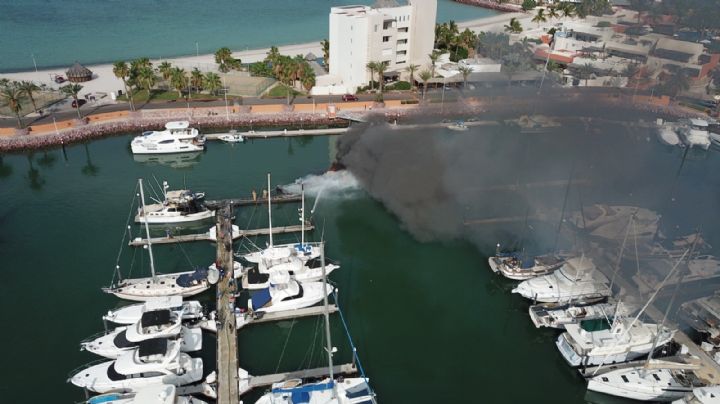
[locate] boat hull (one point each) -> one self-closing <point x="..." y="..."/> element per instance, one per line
<point x="144" y="289"/>
<point x="639" y="392"/>
<point x="175" y="218"/>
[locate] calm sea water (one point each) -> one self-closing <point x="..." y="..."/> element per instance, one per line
<point x="431" y="322"/>
<point x="59" y="32"/>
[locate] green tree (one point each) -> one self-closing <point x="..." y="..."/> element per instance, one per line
<point x="11" y="96"/>
<point x="465" y="71"/>
<point x="178" y="80"/>
<point x="73" y="90"/>
<point x="122" y="71"/>
<point x="434" y="56"/>
<point x="425" y="75"/>
<point x="224" y="59"/>
<point x="586" y="71"/>
<point x="372" y="66"/>
<point x="539" y="17"/>
<point x="308" y="77"/>
<point x="381" y="69"/>
<point x="411" y="69"/>
<point x="514" y="26"/>
<point x="147" y="79"/>
<point x="674" y="83"/>
<point x="325" y="44"/>
<point x="197" y="79"/>
<point x="567" y="9"/>
<point x="165" y="69"/>
<point x="28" y="88"/>
<point x="528" y="5"/>
<point x="468" y="40"/>
<point x="212" y="82"/>
<point x="273" y="55"/>
<point x="552" y="13"/>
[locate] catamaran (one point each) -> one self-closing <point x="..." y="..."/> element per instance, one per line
<point x="515" y="266"/>
<point x="156" y="361"/>
<point x="178" y="206"/>
<point x="576" y="281"/>
<point x="187" y="310"/>
<point x="154" y="394"/>
<point x="178" y="137"/>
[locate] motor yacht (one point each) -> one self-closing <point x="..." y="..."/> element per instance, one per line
<point x="178" y="137"/>
<point x="289" y="296"/>
<point x="177" y="206"/>
<point x="576" y="281"/>
<point x="130" y="314"/>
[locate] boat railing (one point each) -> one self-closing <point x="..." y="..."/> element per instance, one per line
<point x="86" y="366"/>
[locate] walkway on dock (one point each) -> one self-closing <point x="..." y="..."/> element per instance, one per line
<point x="280" y="133"/>
<point x="281" y="198"/>
<point x="189" y="238"/>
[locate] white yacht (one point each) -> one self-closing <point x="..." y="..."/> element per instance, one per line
<point x="157" y="361"/>
<point x="264" y="275"/>
<point x="152" y="324"/>
<point x="232" y="137"/>
<point x="695" y="133"/>
<point x="625" y="340"/>
<point x="289" y="296"/>
<point x="188" y="310"/>
<point x="343" y="391"/>
<point x="178" y="206"/>
<point x="701" y="395"/>
<point x="577" y="281"/>
<point x="178" y="137"/>
<point x="185" y="284"/>
<point x="515" y="266"/>
<point x="646" y="383"/>
<point x="154" y="394"/>
<point x="557" y="316"/>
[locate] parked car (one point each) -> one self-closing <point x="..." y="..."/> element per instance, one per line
<point x="59" y="79"/>
<point x="349" y="97"/>
<point x="79" y="101"/>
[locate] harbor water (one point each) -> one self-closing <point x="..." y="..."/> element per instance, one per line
<point x="430" y="321"/>
<point x="60" y="32"/>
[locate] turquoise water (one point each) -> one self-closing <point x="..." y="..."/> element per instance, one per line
<point x="59" y="32"/>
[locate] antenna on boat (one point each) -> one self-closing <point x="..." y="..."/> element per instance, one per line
<point x="326" y="315"/>
<point x="302" y="216"/>
<point x="269" y="198"/>
<point x="147" y="228"/>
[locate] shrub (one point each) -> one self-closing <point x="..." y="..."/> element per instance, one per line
<point x="400" y="85"/>
<point x="528" y="4"/>
<point x="603" y="24"/>
<point x="459" y="54"/>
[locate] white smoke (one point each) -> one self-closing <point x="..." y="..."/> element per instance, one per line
<point x="332" y="184"/>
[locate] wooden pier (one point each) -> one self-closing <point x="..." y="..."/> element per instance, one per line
<point x="227" y="360"/>
<point x="249" y="382"/>
<point x="189" y="238"/>
<point x="279" y="198"/>
<point x="280" y="133"/>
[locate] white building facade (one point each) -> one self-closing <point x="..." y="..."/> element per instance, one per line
<point x="400" y="36"/>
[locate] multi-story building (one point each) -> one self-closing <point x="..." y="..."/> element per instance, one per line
<point x="399" y="36"/>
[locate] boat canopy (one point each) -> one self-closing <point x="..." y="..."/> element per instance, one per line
<point x="186" y="280"/>
<point x="261" y="298"/>
<point x="177" y="125"/>
<point x="155" y="317"/>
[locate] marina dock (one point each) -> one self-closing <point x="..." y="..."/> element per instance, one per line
<point x="280" y="198"/>
<point x="280" y="133"/>
<point x="189" y="238"/>
<point x="227" y="349"/>
<point x="251" y="382"/>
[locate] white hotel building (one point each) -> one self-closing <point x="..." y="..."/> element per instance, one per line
<point x="400" y="36"/>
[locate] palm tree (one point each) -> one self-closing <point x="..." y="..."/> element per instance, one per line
<point x="381" y="68"/>
<point x="465" y="71"/>
<point x="165" y="69"/>
<point x="147" y="79"/>
<point x="539" y="17"/>
<point x="514" y="26"/>
<point x="326" y="53"/>
<point x="273" y="55"/>
<point x="122" y="71"/>
<point x="586" y="71"/>
<point x="212" y="82"/>
<point x="12" y="97"/>
<point x="425" y="75"/>
<point x="178" y="80"/>
<point x="223" y="57"/>
<point x="308" y="77"/>
<point x="433" y="59"/>
<point x="552" y="13"/>
<point x="568" y="10"/>
<point x="28" y="87"/>
<point x="468" y="39"/>
<point x="372" y="66"/>
<point x="197" y="79"/>
<point x="73" y="90"/>
<point x="412" y="69"/>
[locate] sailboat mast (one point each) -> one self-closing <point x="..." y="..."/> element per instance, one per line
<point x="147" y="228"/>
<point x="269" y="198"/>
<point x="326" y="314"/>
<point x="302" y="215"/>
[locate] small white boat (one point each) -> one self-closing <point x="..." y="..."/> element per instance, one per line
<point x="212" y="233"/>
<point x="458" y="126"/>
<point x="667" y="134"/>
<point x="695" y="133"/>
<point x="343" y="391"/>
<point x="623" y="341"/>
<point x="112" y="344"/>
<point x="263" y="276"/>
<point x="232" y="137"/>
<point x="289" y="296"/>
<point x="576" y="281"/>
<point x="701" y="395"/>
<point x="188" y="310"/>
<point x="515" y="266"/>
<point x="178" y="206"/>
<point x="178" y="137"/>
<point x="154" y="394"/>
<point x="558" y="316"/>
<point x="646" y="383"/>
<point x="157" y="361"/>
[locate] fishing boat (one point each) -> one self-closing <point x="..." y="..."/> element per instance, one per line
<point x="695" y="133"/>
<point x="624" y="340"/>
<point x="232" y="137"/>
<point x="156" y="361"/>
<point x="153" y="394"/>
<point x="458" y="126"/>
<point x="184" y="284"/>
<point x="177" y="206"/>
<point x="514" y="266"/>
<point x="701" y="395"/>
<point x="178" y="137"/>
<point x="152" y="324"/>
<point x="292" y="295"/>
<point x="558" y="316"/>
<point x="576" y="281"/>
<point x="130" y="314"/>
<point x="647" y="382"/>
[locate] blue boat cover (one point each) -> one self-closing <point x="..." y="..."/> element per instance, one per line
<point x="306" y="388"/>
<point x="105" y="398"/>
<point x="529" y="263"/>
<point x="260" y="298"/>
<point x="199" y="275"/>
<point x="303" y="248"/>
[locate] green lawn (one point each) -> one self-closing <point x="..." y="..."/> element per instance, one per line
<point x="162" y="95"/>
<point x="281" y="90"/>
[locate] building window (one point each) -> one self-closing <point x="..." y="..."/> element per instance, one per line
<point x="404" y="29"/>
<point x="387" y="24"/>
<point x="386" y="39"/>
<point x="401" y="53"/>
<point x="400" y="62"/>
<point x="402" y="41"/>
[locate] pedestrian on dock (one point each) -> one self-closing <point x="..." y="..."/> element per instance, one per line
<point x="265" y="193"/>
<point x="254" y="195"/>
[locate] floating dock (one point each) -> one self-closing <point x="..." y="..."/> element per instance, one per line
<point x="248" y="382"/>
<point x="189" y="238"/>
<point x="280" y="133"/>
<point x="281" y="198"/>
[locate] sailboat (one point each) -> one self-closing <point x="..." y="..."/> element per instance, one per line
<point x="282" y="252"/>
<point x="155" y="394"/>
<point x="326" y="391"/>
<point x="185" y="284"/>
<point x="515" y="266"/>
